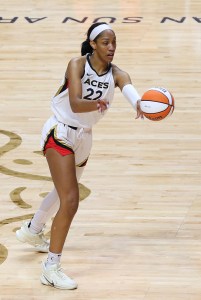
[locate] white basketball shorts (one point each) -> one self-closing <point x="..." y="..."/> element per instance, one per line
<point x="66" y="140"/>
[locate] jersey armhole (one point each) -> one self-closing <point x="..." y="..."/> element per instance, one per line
<point x="113" y="74"/>
<point x="84" y="63"/>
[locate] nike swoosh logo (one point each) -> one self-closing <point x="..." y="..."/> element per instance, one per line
<point x="51" y="283"/>
<point x="89" y="74"/>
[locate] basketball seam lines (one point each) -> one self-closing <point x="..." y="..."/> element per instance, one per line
<point x="156" y="102"/>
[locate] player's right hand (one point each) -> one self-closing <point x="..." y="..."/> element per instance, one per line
<point x="139" y="111"/>
<point x="102" y="105"/>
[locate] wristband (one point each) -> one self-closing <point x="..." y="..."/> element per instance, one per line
<point x="131" y="95"/>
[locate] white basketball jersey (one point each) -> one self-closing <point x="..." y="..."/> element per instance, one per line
<point x="94" y="87"/>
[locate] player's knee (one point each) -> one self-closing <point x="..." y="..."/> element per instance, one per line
<point x="70" y="205"/>
<point x="73" y="205"/>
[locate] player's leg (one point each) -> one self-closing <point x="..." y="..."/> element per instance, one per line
<point x="50" y="204"/>
<point x="31" y="231"/>
<point x="63" y="171"/>
<point x="49" y="207"/>
<point x="69" y="136"/>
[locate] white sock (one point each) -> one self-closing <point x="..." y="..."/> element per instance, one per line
<point x="53" y="258"/>
<point x="48" y="208"/>
<point x="33" y="229"/>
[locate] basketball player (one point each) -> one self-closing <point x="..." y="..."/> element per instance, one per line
<point x="82" y="100"/>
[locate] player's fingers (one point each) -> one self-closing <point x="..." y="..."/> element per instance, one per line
<point x="139" y="112"/>
<point x="102" y="105"/>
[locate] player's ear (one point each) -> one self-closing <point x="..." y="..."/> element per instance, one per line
<point x="93" y="45"/>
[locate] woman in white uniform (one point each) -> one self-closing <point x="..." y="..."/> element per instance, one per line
<point x="82" y="100"/>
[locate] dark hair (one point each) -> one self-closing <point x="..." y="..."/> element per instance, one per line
<point x="86" y="47"/>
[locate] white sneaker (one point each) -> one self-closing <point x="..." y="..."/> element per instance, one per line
<point x="53" y="275"/>
<point x="37" y="240"/>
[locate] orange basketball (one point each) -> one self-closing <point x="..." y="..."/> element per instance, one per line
<point x="157" y="103"/>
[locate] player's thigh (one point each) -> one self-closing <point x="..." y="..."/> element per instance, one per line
<point x="63" y="172"/>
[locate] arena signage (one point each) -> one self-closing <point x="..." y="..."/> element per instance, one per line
<point x="126" y="20"/>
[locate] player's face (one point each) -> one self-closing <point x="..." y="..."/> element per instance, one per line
<point x="106" y="45"/>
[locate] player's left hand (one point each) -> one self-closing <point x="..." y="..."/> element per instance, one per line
<point x="139" y="111"/>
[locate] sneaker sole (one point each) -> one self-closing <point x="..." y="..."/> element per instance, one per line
<point x="45" y="282"/>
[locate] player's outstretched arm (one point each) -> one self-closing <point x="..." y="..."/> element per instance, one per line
<point x="123" y="81"/>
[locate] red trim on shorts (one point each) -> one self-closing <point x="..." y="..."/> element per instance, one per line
<point x="59" y="148"/>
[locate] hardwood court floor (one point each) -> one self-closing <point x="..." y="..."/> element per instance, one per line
<point x="137" y="234"/>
